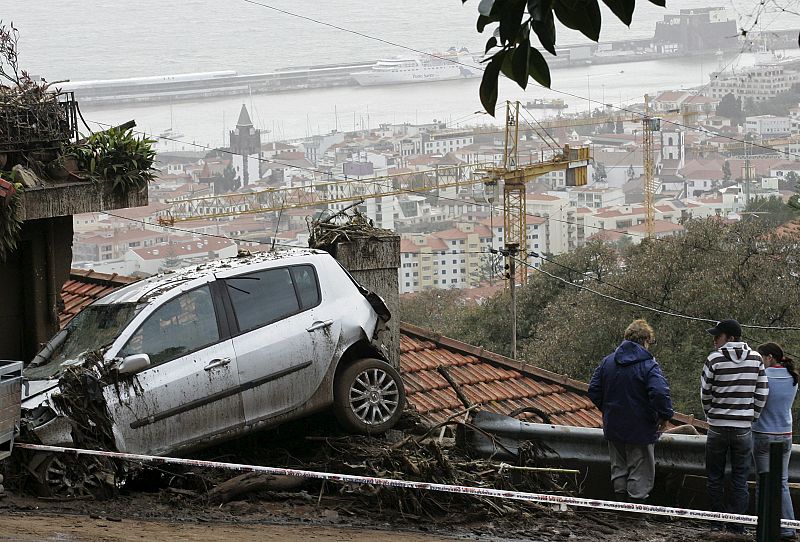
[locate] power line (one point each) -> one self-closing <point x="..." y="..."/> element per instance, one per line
<point x="454" y="61"/>
<point x="527" y="264"/>
<point x="197" y="233"/>
<point x="652" y="309"/>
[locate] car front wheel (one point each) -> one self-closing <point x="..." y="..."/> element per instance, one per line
<point x="368" y="396"/>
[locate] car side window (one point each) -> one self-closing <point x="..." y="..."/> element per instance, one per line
<point x="305" y="279"/>
<point x="262" y="298"/>
<point x="180" y="326"/>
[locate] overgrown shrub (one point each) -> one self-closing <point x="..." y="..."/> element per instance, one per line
<point x="119" y="156"/>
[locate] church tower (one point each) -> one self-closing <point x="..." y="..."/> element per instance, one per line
<point x="246" y="146"/>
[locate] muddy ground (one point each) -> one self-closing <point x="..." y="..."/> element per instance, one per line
<point x="141" y="516"/>
<point x="182" y="504"/>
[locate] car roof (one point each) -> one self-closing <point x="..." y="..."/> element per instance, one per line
<point x="153" y="287"/>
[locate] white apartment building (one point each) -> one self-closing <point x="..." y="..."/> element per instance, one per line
<point x="759" y="83"/>
<point x="459" y="257"/>
<point x="766" y="126"/>
<point x="559" y="223"/>
<point x="595" y="196"/>
<point x="444" y="141"/>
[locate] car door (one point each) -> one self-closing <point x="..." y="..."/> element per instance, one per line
<point x="283" y="348"/>
<point x="190" y="392"/>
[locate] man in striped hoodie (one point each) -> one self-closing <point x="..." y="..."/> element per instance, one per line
<point x="733" y="390"/>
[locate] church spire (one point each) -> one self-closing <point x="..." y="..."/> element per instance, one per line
<point x="244" y="118"/>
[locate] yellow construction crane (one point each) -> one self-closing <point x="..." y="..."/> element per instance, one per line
<point x="511" y="174"/>
<point x="650" y="125"/>
<point x="515" y="177"/>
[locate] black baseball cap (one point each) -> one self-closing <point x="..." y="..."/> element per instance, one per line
<point x="728" y="327"/>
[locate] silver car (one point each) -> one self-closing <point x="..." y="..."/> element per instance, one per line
<point x="185" y="359"/>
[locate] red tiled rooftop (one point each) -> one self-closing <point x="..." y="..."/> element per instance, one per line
<point x="84" y="287"/>
<point x="496" y="383"/>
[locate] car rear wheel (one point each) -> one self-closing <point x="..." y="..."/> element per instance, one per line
<point x="368" y="396"/>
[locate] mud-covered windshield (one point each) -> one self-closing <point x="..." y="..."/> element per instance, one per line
<point x="93" y="328"/>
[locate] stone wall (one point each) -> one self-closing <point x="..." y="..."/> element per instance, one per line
<point x="373" y="262"/>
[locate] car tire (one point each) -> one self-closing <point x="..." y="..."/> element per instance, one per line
<point x="58" y="476"/>
<point x="368" y="396"/>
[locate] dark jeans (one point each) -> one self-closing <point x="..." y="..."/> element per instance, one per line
<point x="721" y="443"/>
<point x="761" y="442"/>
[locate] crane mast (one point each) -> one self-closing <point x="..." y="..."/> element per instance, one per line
<point x="649" y="126"/>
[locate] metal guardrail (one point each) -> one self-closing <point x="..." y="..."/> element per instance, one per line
<point x="501" y="436"/>
<point x="10" y="396"/>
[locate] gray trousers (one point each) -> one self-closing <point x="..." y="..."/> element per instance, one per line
<point x="633" y="469"/>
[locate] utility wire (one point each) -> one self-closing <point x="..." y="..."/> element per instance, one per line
<point x="648" y="308"/>
<point x="366" y="181"/>
<point x="523" y="262"/>
<point x="455" y="61"/>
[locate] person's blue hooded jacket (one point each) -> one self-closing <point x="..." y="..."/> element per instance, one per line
<point x="630" y="390"/>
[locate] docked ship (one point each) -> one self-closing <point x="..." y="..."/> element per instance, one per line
<point x="541" y="103"/>
<point x="424" y="68"/>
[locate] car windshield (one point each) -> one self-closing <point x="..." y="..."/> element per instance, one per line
<point x="93" y="328"/>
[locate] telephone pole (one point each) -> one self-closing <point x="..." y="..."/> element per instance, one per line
<point x="510" y="252"/>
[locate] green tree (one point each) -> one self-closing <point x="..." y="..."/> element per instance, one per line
<point x="512" y="51"/>
<point x="792" y="179"/>
<point x="758" y="283"/>
<point x="726" y="171"/>
<point x="226" y="181"/>
<point x="771" y="211"/>
<point x="433" y="309"/>
<point x="731" y="107"/>
<point x="714" y="270"/>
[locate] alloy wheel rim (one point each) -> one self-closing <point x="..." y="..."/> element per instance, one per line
<point x="374" y="396"/>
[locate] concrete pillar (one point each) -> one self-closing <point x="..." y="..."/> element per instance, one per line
<point x="373" y="262"/>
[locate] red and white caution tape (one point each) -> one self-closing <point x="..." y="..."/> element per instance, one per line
<point x="390" y="482"/>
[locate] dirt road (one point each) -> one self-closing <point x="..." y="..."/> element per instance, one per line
<point x="83" y="529"/>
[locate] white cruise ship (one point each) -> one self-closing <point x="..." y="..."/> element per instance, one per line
<point x="425" y="68"/>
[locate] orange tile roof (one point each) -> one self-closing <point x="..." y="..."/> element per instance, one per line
<point x="84" y="287"/>
<point x="497" y="383"/>
<point x="408" y="246"/>
<point x="451" y="234"/>
<point x="434" y="243"/>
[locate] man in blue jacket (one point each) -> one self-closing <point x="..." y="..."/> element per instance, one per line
<point x="630" y="390"/>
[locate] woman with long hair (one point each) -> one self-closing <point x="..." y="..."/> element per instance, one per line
<point x="775" y="422"/>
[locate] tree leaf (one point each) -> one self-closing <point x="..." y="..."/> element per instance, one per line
<point x="490" y="43"/>
<point x="511" y="20"/>
<point x="538" y="68"/>
<point x="546" y="32"/>
<point x="519" y="63"/>
<point x="485" y="7"/>
<point x="483" y="20"/>
<point x="506" y="66"/>
<point x="488" y="89"/>
<point x="539" y="9"/>
<point x="581" y="15"/>
<point x="623" y="9"/>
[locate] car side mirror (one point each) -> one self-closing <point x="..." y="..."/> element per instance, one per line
<point x="133" y="364"/>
